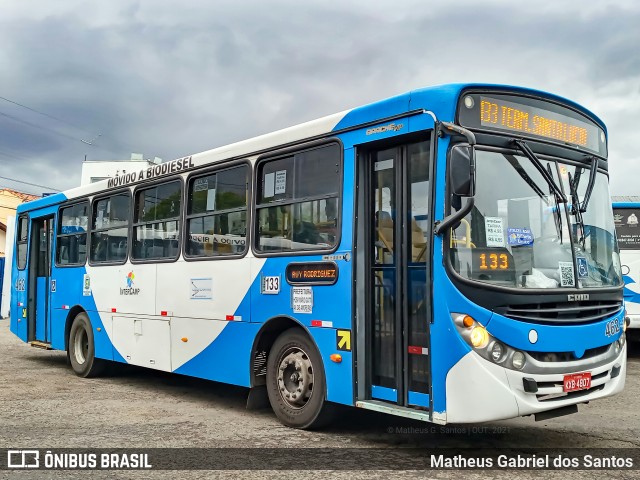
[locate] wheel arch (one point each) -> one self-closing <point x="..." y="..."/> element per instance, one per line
<point x="267" y="335"/>
<point x="73" y="313"/>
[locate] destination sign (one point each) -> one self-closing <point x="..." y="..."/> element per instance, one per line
<point x="531" y="118"/>
<point x="316" y="273"/>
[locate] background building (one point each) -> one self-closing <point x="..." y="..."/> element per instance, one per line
<point x="96" y="170"/>
<point x="9" y="201"/>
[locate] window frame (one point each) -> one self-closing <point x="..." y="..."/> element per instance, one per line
<point x="59" y="234"/>
<point x="180" y="218"/>
<point x="24" y="216"/>
<point x="226" y="165"/>
<point x="287" y="152"/>
<point x="96" y="199"/>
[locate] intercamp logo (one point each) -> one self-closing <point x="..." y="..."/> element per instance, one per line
<point x="23" y="459"/>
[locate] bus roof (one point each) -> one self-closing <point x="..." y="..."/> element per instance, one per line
<point x="625" y="201"/>
<point x="440" y="99"/>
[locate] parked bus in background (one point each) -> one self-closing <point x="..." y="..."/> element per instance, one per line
<point x="447" y="255"/>
<point x="626" y="215"/>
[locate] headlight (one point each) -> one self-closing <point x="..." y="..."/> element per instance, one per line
<point x="479" y="337"/>
<point x="496" y="352"/>
<point x="518" y="360"/>
<point x="485" y="345"/>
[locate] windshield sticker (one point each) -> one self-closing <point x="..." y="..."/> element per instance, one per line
<point x="201" y="184"/>
<point x="281" y="182"/>
<point x="494" y="231"/>
<point x="566" y="274"/>
<point x="583" y="267"/>
<point x="519" y="236"/>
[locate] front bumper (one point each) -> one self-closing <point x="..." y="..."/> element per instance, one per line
<point x="480" y="391"/>
<point x="635" y="321"/>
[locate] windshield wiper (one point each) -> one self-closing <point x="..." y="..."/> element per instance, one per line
<point x="560" y="197"/>
<point x="576" y="210"/>
<point x="557" y="214"/>
<point x="590" y="185"/>
<point x="513" y="161"/>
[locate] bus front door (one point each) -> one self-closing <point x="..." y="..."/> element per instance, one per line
<point x="40" y="279"/>
<point x="398" y="303"/>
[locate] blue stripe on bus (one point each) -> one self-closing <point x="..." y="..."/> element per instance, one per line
<point x="625" y="205"/>
<point x="553" y="338"/>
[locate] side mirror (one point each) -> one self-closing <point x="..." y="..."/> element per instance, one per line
<point x="462" y="170"/>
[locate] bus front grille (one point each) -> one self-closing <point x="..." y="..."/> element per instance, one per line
<point x="562" y="312"/>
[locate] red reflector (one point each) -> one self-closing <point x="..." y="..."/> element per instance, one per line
<point x="113" y="310"/>
<point x="163" y="313"/>
<point x="230" y="318"/>
<point x="316" y="323"/>
<point x="415" y="350"/>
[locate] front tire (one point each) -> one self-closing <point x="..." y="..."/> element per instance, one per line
<point x="81" y="349"/>
<point x="296" y="382"/>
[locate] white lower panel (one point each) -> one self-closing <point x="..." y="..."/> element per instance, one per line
<point x="477" y="392"/>
<point x="143" y="341"/>
<point x="480" y="391"/>
<point x="635" y="321"/>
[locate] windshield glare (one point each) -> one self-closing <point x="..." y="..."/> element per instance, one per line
<point x="518" y="233"/>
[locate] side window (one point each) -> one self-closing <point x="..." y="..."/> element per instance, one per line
<point x="21" y="242"/>
<point x="72" y="235"/>
<point x="217" y="213"/>
<point x="297" y="202"/>
<point x="110" y="228"/>
<point x="156" y="229"/>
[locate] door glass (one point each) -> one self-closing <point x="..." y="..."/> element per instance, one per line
<point x="418" y="214"/>
<point x="384" y="273"/>
<point x="44" y="249"/>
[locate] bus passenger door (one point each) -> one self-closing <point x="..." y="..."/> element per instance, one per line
<point x="396" y="217"/>
<point x="40" y="279"/>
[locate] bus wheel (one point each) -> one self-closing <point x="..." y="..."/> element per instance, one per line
<point x="296" y="383"/>
<point x="81" y="349"/>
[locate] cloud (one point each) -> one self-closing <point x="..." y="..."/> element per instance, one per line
<point x="168" y="79"/>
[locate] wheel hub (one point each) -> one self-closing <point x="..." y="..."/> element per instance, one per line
<point x="295" y="378"/>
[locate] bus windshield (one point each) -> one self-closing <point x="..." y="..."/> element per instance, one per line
<point x="520" y="233"/>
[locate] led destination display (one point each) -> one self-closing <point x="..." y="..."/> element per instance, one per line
<point x="531" y="118"/>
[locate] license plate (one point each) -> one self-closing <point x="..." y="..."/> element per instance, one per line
<point x="576" y="381"/>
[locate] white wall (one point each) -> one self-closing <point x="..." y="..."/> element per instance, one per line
<point x="110" y="168"/>
<point x="6" y="286"/>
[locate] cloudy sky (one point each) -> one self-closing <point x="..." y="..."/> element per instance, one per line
<point x="169" y="78"/>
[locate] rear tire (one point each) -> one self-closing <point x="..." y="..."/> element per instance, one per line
<point x="81" y="349"/>
<point x="296" y="382"/>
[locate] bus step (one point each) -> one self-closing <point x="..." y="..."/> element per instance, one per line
<point x="42" y="345"/>
<point x="389" y="408"/>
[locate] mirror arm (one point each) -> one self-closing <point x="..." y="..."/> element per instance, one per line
<point x="442" y="226"/>
<point x="448" y="128"/>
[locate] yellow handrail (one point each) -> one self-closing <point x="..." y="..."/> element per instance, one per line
<point x="467" y="233"/>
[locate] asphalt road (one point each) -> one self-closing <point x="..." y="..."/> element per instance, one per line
<point x="44" y="405"/>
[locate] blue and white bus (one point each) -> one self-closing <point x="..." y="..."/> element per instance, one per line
<point x="447" y="255"/>
<point x="626" y="215"/>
